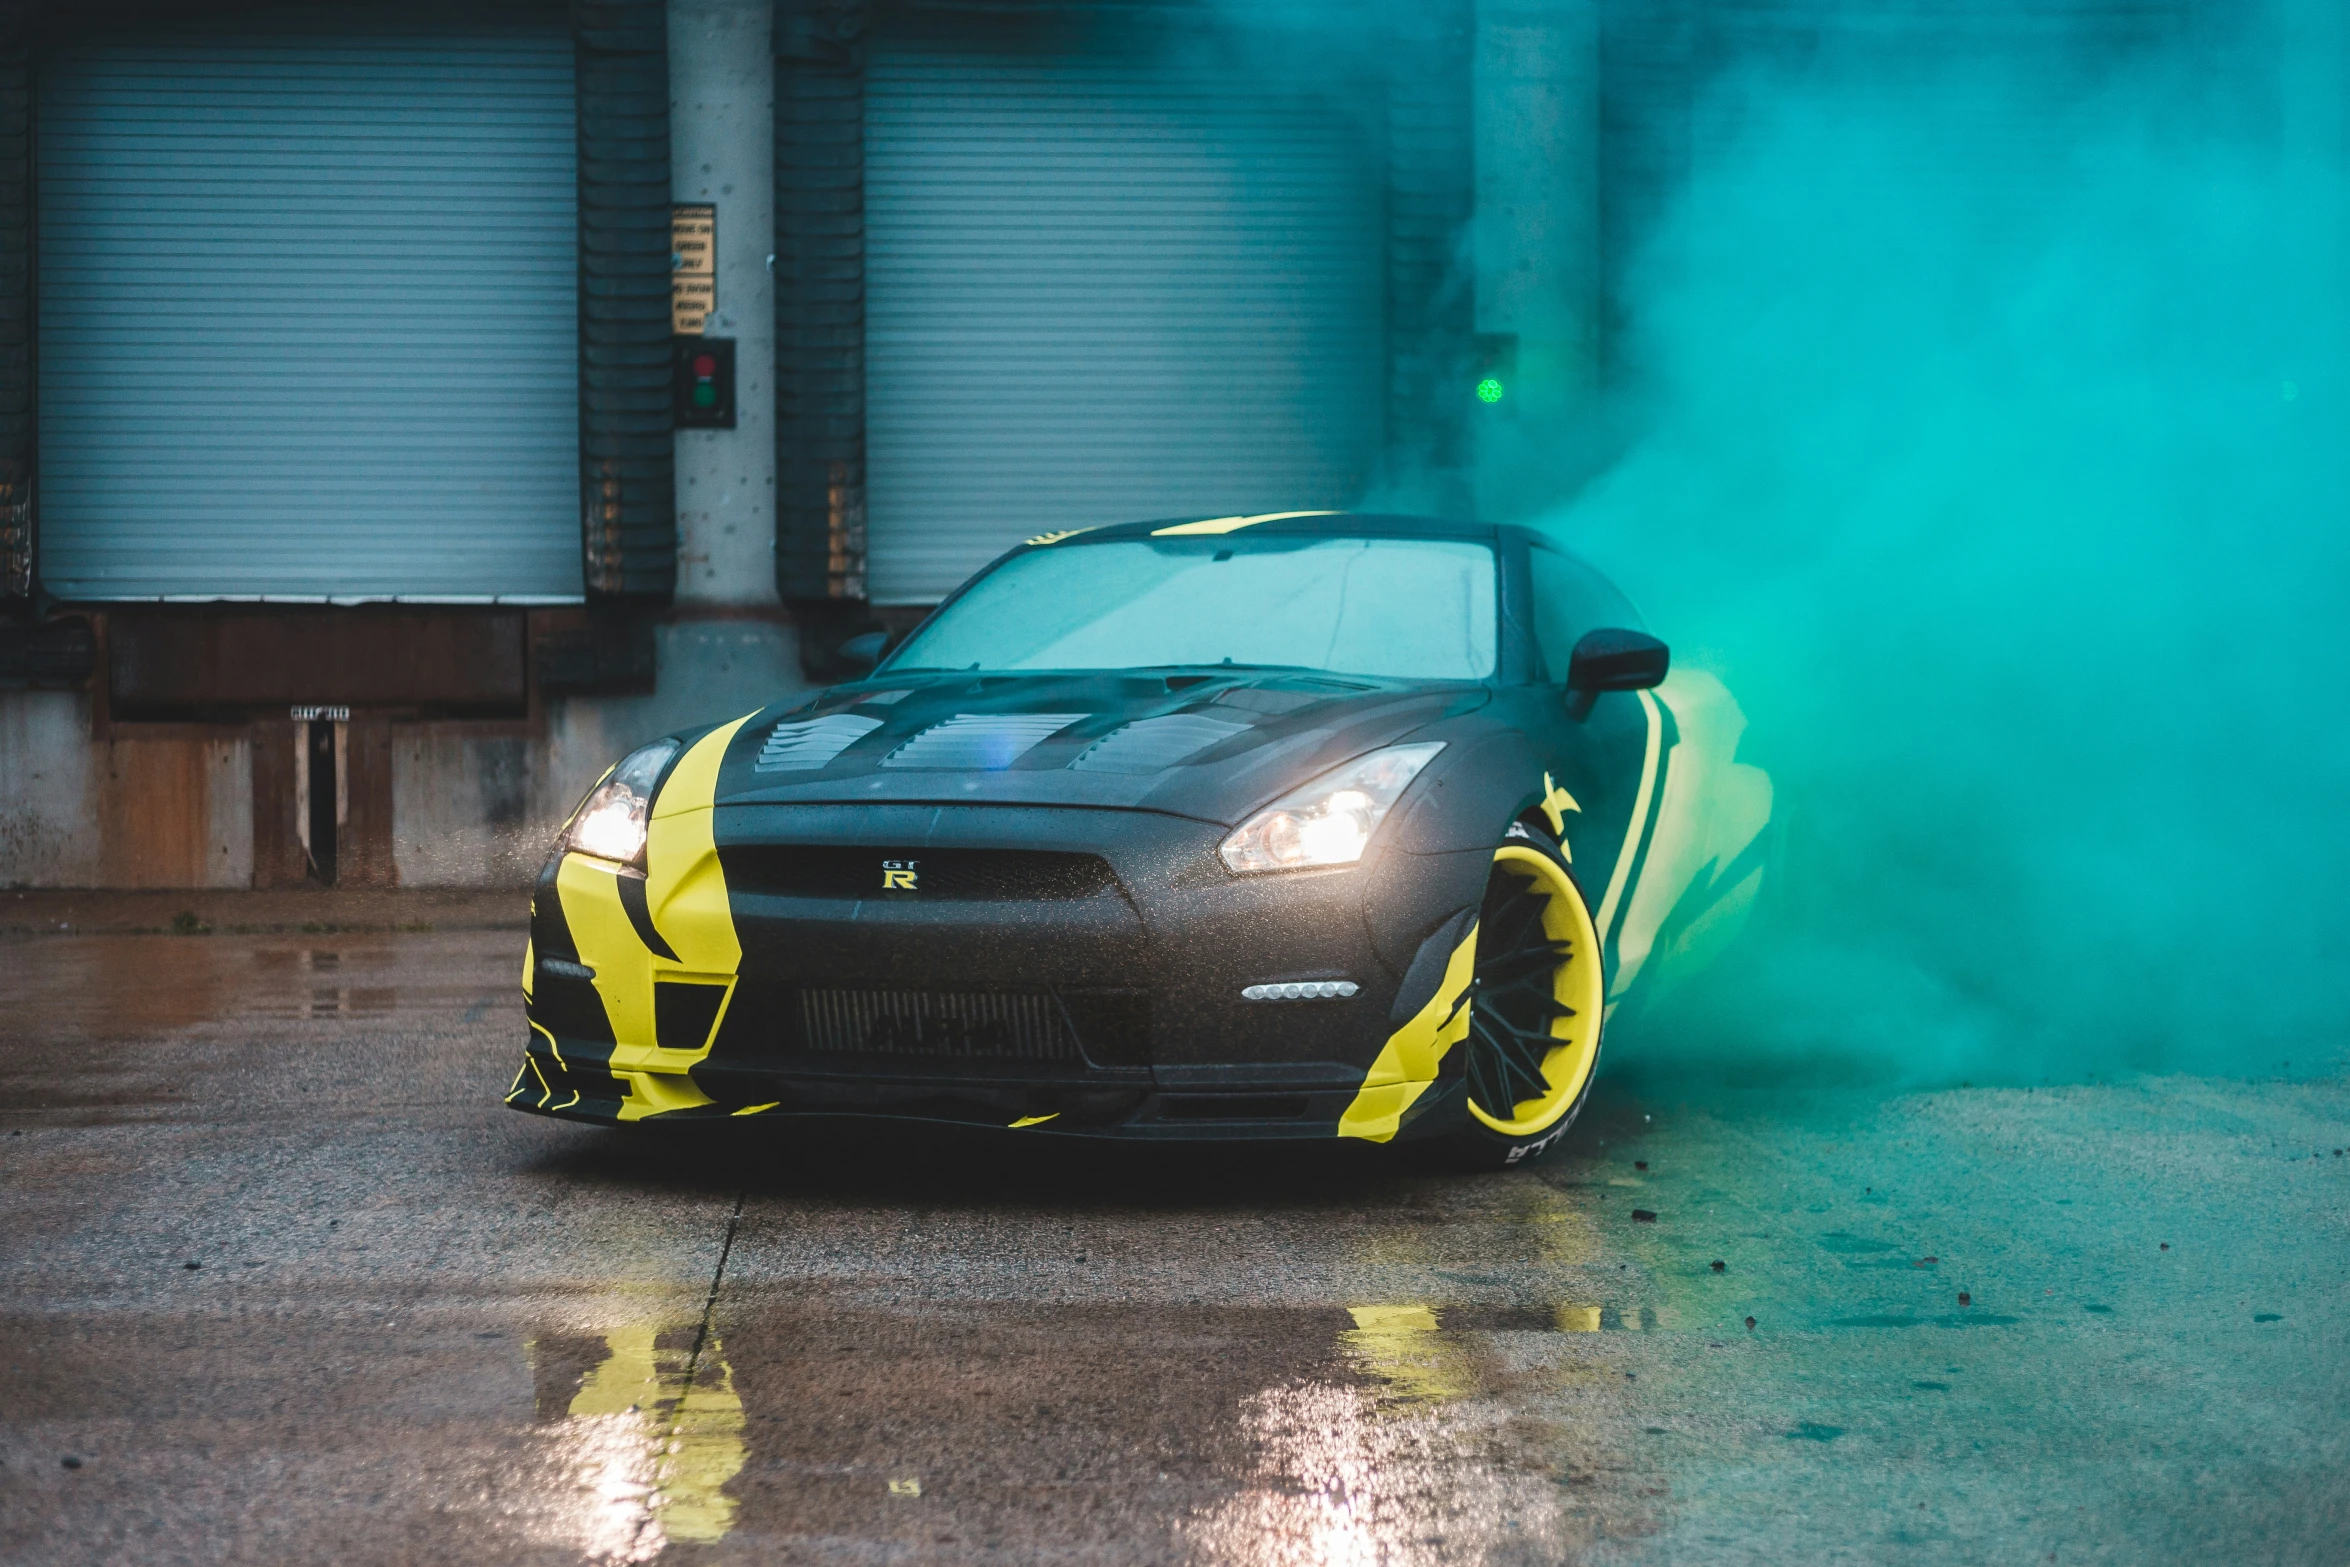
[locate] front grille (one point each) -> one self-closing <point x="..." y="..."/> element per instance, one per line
<point x="953" y="1025"/>
<point x="829" y="871"/>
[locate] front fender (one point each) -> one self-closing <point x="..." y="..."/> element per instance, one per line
<point x="1469" y="796"/>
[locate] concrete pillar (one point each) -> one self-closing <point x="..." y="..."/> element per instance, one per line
<point x="1536" y="238"/>
<point x="722" y="151"/>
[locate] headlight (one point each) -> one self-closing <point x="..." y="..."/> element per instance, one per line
<point x="610" y="822"/>
<point x="1329" y="821"/>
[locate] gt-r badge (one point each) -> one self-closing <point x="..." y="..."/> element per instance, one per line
<point x="898" y="876"/>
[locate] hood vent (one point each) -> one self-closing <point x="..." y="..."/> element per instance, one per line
<point x="1256" y="699"/>
<point x="1153" y="745"/>
<point x="811" y="743"/>
<point x="979" y="742"/>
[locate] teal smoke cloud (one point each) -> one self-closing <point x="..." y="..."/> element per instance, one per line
<point x="1995" y="448"/>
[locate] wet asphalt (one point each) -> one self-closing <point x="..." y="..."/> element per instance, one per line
<point x="285" y="1283"/>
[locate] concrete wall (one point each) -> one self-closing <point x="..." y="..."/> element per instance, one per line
<point x="48" y="812"/>
<point x="473" y="805"/>
<point x="171" y="809"/>
<point x="479" y="810"/>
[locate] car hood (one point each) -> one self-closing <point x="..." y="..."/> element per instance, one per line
<point x="1213" y="746"/>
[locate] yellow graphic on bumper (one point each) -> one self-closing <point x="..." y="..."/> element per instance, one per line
<point x="1407" y="1063"/>
<point x="686" y="903"/>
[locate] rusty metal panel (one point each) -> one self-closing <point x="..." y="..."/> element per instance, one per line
<point x="277" y="846"/>
<point x="191" y="662"/>
<point x="156" y="823"/>
<point x="363" y="857"/>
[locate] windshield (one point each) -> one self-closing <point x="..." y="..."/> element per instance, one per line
<point x="1414" y="609"/>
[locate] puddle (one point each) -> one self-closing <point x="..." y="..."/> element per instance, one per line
<point x="116" y="1027"/>
<point x="324" y="983"/>
<point x="1382" y="1433"/>
<point x="640" y="1436"/>
<point x="1408" y="1466"/>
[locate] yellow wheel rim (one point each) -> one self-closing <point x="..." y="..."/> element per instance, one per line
<point x="1575" y="986"/>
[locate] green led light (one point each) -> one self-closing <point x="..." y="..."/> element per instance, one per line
<point x="1489" y="390"/>
<point x="705" y="395"/>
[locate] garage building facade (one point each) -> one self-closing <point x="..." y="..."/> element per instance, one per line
<point x="354" y="513"/>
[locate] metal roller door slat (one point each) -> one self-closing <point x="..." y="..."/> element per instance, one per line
<point x="1097" y="291"/>
<point x="309" y="318"/>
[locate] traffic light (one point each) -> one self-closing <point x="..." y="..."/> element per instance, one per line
<point x="704" y="384"/>
<point x="1497" y="366"/>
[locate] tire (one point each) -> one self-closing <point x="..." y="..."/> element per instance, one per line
<point x="1536" y="1009"/>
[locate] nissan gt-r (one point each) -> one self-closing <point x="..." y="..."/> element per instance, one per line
<point x="1293" y="825"/>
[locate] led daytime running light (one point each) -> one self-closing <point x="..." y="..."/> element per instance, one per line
<point x="1301" y="990"/>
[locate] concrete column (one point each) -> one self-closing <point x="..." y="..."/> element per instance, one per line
<point x="1537" y="242"/>
<point x="722" y="151"/>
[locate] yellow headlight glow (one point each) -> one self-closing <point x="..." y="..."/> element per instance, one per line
<point x="610" y="822"/>
<point x="1330" y="821"/>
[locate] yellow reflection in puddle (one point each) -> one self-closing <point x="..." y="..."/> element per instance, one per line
<point x="650" y="1440"/>
<point x="1401" y="1345"/>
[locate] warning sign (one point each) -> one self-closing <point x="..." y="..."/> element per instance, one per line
<point x="693" y="263"/>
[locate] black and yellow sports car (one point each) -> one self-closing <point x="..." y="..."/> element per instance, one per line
<point x="1282" y="826"/>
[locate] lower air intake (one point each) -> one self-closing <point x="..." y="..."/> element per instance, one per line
<point x="936" y="1024"/>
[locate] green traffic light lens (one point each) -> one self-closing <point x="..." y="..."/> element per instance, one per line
<point x="1489" y="390"/>
<point x="705" y="395"/>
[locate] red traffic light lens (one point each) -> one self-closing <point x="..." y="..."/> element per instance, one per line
<point x="705" y="365"/>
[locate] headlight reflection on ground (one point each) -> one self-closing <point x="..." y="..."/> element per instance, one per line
<point x="1392" y="1474"/>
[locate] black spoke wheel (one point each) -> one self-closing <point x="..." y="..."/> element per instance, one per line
<point x="1534" y="1007"/>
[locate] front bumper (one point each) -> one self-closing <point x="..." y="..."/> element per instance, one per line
<point x="1067" y="970"/>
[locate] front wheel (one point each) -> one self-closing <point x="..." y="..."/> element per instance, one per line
<point x="1535" y="1008"/>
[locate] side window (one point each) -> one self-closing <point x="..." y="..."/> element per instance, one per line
<point x="1571" y="598"/>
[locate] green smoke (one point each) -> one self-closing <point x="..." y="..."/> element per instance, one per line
<point x="1994" y="450"/>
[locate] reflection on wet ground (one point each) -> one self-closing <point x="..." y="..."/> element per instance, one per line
<point x="646" y="1425"/>
<point x="282" y="1282"/>
<point x="322" y="982"/>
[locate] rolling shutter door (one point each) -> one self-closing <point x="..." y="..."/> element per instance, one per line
<point x="1099" y="291"/>
<point x="309" y="317"/>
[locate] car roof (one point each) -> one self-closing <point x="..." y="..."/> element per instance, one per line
<point x="1328" y="524"/>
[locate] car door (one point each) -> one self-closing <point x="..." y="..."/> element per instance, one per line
<point x="1667" y="833"/>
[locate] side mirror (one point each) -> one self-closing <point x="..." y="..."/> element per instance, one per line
<point x="861" y="653"/>
<point x="1613" y="659"/>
